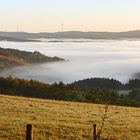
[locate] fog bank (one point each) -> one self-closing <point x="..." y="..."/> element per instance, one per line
<point x="112" y="59"/>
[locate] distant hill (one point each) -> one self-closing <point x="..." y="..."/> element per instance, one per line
<point x="16" y="39"/>
<point x="10" y="58"/>
<point x="70" y="34"/>
<point x="105" y="83"/>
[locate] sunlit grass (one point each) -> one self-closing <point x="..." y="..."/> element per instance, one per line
<point x="54" y="120"/>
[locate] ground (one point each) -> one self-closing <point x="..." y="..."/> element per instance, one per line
<point x="59" y="120"/>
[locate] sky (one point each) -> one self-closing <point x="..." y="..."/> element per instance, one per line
<point x="84" y="15"/>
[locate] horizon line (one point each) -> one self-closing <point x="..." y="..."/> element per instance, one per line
<point x="70" y="31"/>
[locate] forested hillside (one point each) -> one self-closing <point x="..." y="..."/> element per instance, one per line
<point x="60" y="91"/>
<point x="105" y="83"/>
<point x="11" y="58"/>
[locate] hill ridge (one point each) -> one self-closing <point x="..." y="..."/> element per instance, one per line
<point x="25" y="36"/>
<point x="13" y="57"/>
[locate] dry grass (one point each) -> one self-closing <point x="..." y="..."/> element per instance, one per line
<point x="58" y="120"/>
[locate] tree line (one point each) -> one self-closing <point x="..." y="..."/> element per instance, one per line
<point x="60" y="91"/>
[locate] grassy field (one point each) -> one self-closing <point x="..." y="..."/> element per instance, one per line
<point x="58" y="120"/>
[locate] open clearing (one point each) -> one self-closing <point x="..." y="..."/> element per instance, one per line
<point x="59" y="120"/>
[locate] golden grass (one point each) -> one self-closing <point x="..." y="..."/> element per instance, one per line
<point x="58" y="120"/>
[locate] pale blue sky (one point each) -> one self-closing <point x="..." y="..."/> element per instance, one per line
<point x="85" y="15"/>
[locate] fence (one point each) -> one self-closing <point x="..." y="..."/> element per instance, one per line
<point x="29" y="132"/>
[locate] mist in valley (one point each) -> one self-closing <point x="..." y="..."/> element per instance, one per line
<point x="111" y="59"/>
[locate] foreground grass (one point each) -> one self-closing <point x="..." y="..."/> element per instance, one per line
<point x="58" y="120"/>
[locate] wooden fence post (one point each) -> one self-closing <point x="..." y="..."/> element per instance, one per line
<point x="29" y="132"/>
<point x="94" y="132"/>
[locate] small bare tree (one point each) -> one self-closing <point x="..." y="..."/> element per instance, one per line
<point x="103" y="115"/>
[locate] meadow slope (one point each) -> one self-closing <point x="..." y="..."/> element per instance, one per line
<point x="54" y="120"/>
